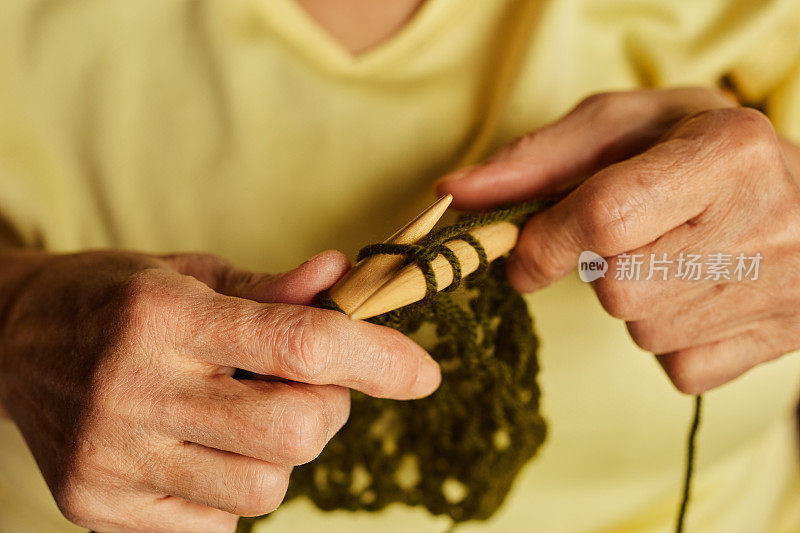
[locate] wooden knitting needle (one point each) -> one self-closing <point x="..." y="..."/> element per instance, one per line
<point x="371" y="273"/>
<point x="408" y="285"/>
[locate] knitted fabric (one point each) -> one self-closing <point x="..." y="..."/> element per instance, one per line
<point x="458" y="451"/>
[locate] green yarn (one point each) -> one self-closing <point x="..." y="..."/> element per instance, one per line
<point x="690" y="451"/>
<point x="458" y="451"/>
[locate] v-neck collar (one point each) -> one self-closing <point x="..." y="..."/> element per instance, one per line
<point x="293" y="23"/>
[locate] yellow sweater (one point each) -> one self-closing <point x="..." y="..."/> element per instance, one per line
<point x="240" y="128"/>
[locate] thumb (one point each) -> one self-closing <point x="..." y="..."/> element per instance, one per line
<point x="298" y="286"/>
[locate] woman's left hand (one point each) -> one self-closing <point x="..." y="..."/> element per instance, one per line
<point x="682" y="172"/>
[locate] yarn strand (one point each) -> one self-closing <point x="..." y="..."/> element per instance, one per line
<point x="690" y="459"/>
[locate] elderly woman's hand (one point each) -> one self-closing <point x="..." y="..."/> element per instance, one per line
<point x="685" y="173"/>
<point x="118" y="370"/>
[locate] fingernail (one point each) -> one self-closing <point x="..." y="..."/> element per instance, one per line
<point x="456" y="175"/>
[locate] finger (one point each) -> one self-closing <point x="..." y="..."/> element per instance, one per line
<point x="735" y="290"/>
<point x="309" y="345"/>
<point x="282" y="423"/>
<point x="623" y="207"/>
<point x="650" y="292"/>
<point x="710" y="315"/>
<point x="301" y="285"/>
<point x="173" y="514"/>
<point x="634" y="300"/>
<point x="672" y="272"/>
<point x="161" y="514"/>
<point x="298" y="286"/>
<point x="698" y="369"/>
<point x="601" y="130"/>
<point x="221" y="480"/>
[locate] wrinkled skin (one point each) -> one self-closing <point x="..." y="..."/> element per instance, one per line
<point x="655" y="172"/>
<point x="117" y="368"/>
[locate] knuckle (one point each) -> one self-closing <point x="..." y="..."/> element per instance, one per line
<point x="75" y="503"/>
<point x="139" y="298"/>
<point x="333" y="401"/>
<point x="341" y="411"/>
<point x="545" y="264"/>
<point x="645" y="335"/>
<point x="608" y="221"/>
<point x="616" y="298"/>
<point x="141" y="288"/>
<point x="750" y="123"/>
<point x="262" y="490"/>
<point x="539" y="265"/>
<point x="682" y="373"/>
<point x="301" y="351"/>
<point x="687" y="384"/>
<point x="303" y="432"/>
<point x="539" y="257"/>
<point x="154" y="304"/>
<point x="746" y="131"/>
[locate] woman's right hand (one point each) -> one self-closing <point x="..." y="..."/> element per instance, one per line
<point x="118" y="370"/>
